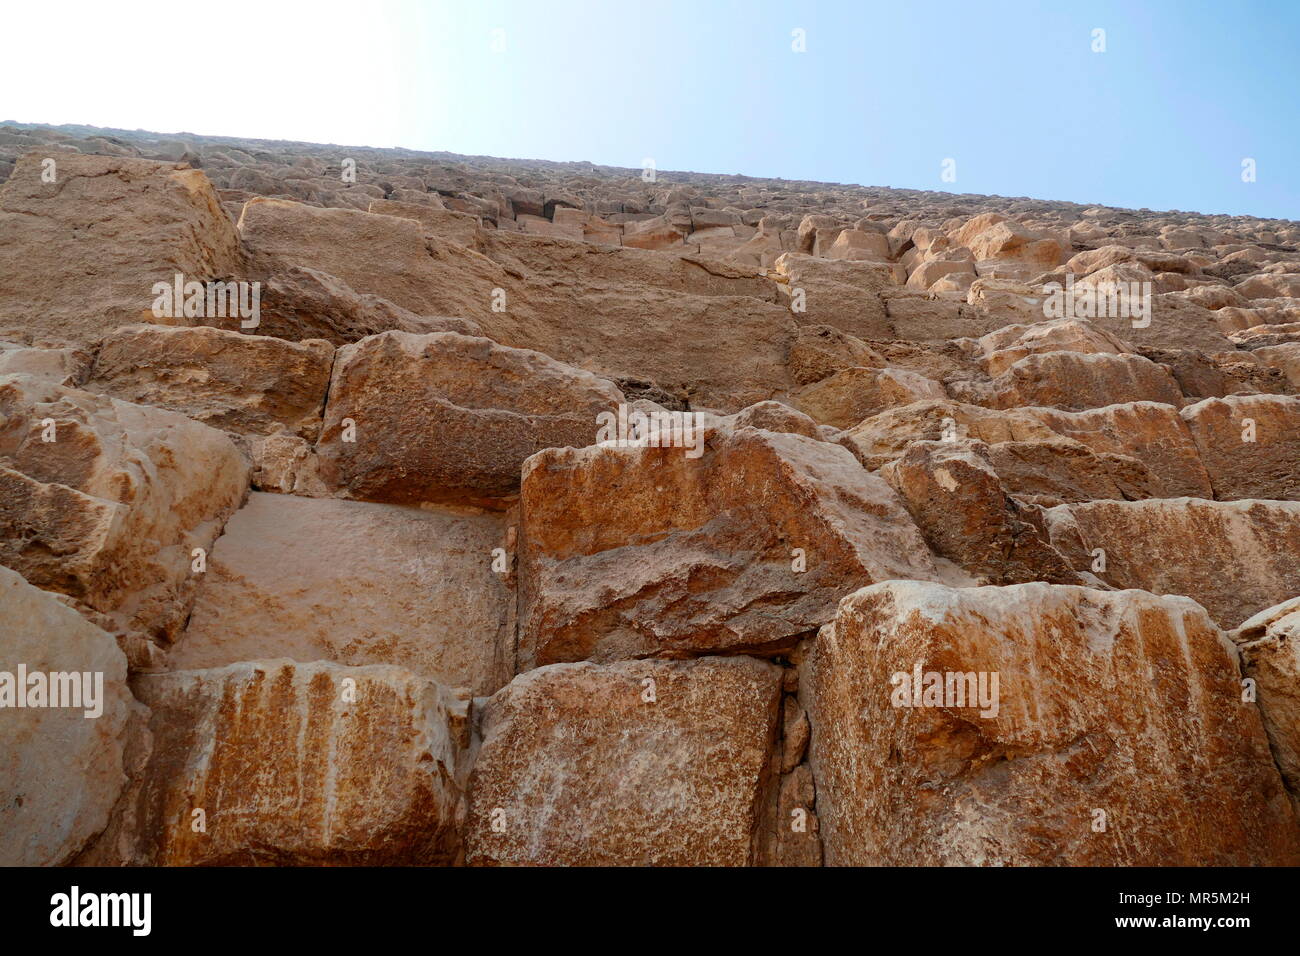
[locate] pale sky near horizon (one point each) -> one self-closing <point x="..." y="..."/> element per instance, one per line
<point x="881" y="95"/>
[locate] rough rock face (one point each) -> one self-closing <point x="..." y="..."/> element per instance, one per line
<point x="1080" y="380"/>
<point x="448" y="417"/>
<point x="637" y="763"/>
<point x="1106" y="703"/>
<point x="1004" y="348"/>
<point x="965" y="514"/>
<point x="847" y="397"/>
<point x="299" y="303"/>
<point x="293" y="764"/>
<point x="250" y="384"/>
<point x="1234" y="557"/>
<point x="61" y="767"/>
<point x="110" y="508"/>
<point x="422" y="488"/>
<point x="367" y="584"/>
<point x="1250" y="445"/>
<point x="69" y="273"/>
<point x="640" y="551"/>
<point x="1270" y="654"/>
<point x="1149" y="432"/>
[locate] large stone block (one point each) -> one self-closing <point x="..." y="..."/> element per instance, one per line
<point x="250" y="384"/>
<point x="1079" y="380"/>
<point x="1270" y="654"/>
<point x="449" y="417"/>
<point x="110" y="509"/>
<point x="637" y="763"/>
<point x="1250" y="444"/>
<point x="79" y="256"/>
<point x="61" y="763"/>
<point x="1150" y="432"/>
<point x="1115" y="734"/>
<point x="293" y="764"/>
<point x="357" y="583"/>
<point x="640" y="551"/>
<point x="1234" y="557"/>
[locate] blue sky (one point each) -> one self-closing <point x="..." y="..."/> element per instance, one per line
<point x="884" y="92"/>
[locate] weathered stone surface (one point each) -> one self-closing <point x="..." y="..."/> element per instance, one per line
<point x="773" y="417"/>
<point x="1111" y="702"/>
<point x="845" y="398"/>
<point x="448" y="417"/>
<point x="634" y="552"/>
<point x="1270" y="654"/>
<point x="1037" y="438"/>
<point x="886" y="435"/>
<point x="819" y="351"/>
<point x="80" y="256"/>
<point x="294" y="764"/>
<point x="844" y="294"/>
<point x="1077" y="380"/>
<point x="1249" y="444"/>
<point x="457" y="226"/>
<point x="110" y="511"/>
<point x="1004" y="348"/>
<point x="250" y="384"/>
<point x="855" y="244"/>
<point x="1233" y="557"/>
<point x="300" y="303"/>
<point x="67" y="366"/>
<point x="1063" y="470"/>
<point x="1284" y="356"/>
<point x="629" y="313"/>
<point x="357" y="583"/>
<point x="578" y="767"/>
<point x="1009" y="241"/>
<point x="382" y="255"/>
<point x="1150" y="432"/>
<point x="61" y="767"/>
<point x="965" y="515"/>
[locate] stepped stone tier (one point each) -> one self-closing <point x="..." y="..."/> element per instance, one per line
<point x="366" y="506"/>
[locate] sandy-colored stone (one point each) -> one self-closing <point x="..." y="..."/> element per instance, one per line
<point x="579" y="767"/>
<point x="1004" y="348"/>
<point x="1234" y="557"/>
<point x="61" y="768"/>
<point x="845" y="398"/>
<point x="820" y="351"/>
<point x="1150" y="432"/>
<point x="1123" y="703"/>
<point x="294" y="764"/>
<point x="1078" y="380"/>
<point x="965" y="515"/>
<point x="457" y="226"/>
<point x="1270" y="655"/>
<point x="886" y="435"/>
<point x="448" y="417"/>
<point x="382" y="255"/>
<point x="80" y="256"/>
<point x="1249" y="444"/>
<point x="111" y="510"/>
<point x="357" y="583"/>
<point x="250" y="384"/>
<point x="299" y="303"/>
<point x="633" y="552"/>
